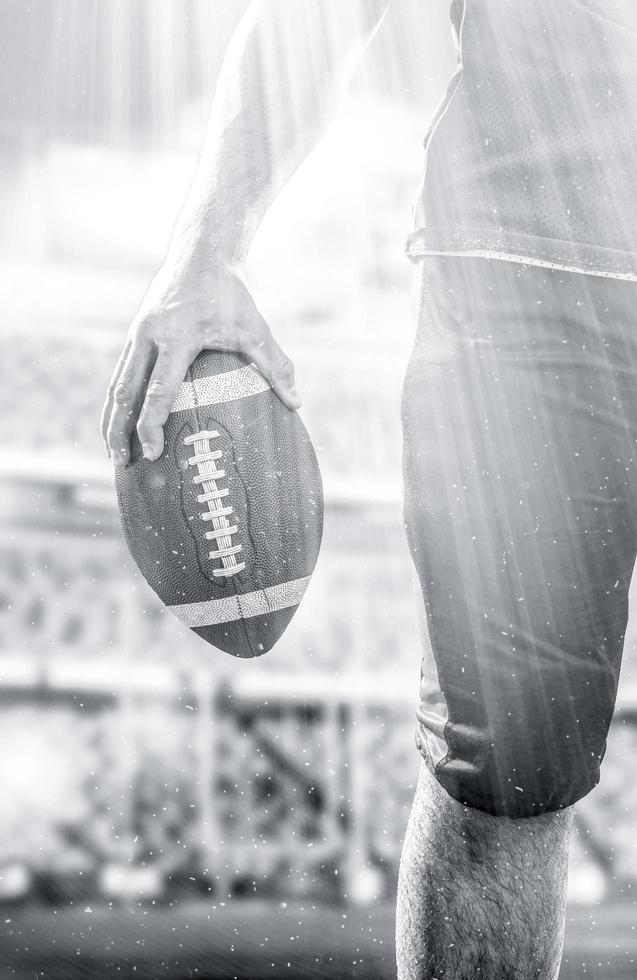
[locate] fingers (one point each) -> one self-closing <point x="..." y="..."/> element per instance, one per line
<point x="127" y="397"/>
<point x="276" y="367"/>
<point x="150" y="371"/>
<point x="107" y="409"/>
<point x="168" y="374"/>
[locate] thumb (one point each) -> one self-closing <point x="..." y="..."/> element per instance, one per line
<point x="277" y="368"/>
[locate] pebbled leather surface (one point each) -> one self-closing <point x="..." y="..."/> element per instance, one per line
<point x="275" y="489"/>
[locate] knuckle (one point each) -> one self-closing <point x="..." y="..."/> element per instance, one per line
<point x="122" y="394"/>
<point x="285" y="368"/>
<point x="156" y="391"/>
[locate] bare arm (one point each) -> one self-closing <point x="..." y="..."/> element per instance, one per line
<point x="287" y="66"/>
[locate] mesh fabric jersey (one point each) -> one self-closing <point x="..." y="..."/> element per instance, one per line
<point x="532" y="153"/>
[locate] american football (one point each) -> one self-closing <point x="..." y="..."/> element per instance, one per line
<point x="226" y="525"/>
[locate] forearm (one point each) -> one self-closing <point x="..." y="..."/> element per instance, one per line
<point x="287" y="66"/>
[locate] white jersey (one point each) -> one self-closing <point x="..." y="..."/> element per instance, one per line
<point x="532" y="154"/>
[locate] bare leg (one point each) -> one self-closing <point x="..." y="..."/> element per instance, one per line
<point x="480" y="896"/>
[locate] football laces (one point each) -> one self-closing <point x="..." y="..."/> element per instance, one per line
<point x="208" y="478"/>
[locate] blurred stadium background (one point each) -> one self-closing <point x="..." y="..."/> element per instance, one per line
<point x="165" y="810"/>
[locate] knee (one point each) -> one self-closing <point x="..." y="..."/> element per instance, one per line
<point x="506" y="783"/>
<point x="483" y="832"/>
<point x="517" y="778"/>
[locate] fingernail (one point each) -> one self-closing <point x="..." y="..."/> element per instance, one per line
<point x="148" y="451"/>
<point x="118" y="459"/>
<point x="295" y="396"/>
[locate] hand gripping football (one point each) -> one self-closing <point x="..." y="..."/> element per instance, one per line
<point x="226" y="525"/>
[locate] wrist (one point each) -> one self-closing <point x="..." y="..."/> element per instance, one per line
<point x="191" y="245"/>
<point x="213" y="233"/>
